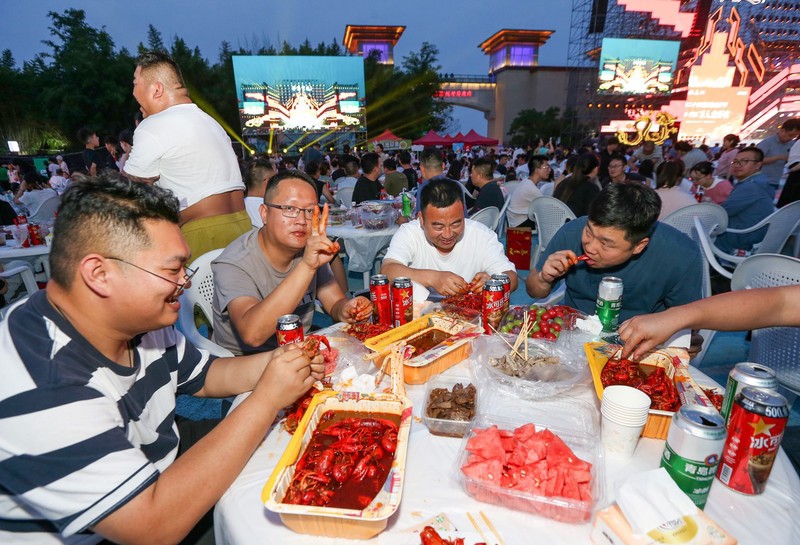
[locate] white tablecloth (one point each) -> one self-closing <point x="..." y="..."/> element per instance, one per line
<point x="431" y="487"/>
<point x="362" y="245"/>
<point x="35" y="255"/>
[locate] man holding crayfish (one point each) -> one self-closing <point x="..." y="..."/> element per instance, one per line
<point x="279" y="269"/>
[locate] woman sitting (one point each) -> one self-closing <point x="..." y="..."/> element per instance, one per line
<point x="578" y="190"/>
<point x="714" y="189"/>
<point x="33" y="192"/>
<point x="668" y="180"/>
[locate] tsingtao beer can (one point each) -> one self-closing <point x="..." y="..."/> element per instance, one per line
<point x="755" y="429"/>
<point x="289" y="330"/>
<point x="493" y="305"/>
<point x="402" y="301"/>
<point x="691" y="455"/>
<point x="503" y="277"/>
<point x="609" y="302"/>
<point x="746" y="374"/>
<point x="381" y="297"/>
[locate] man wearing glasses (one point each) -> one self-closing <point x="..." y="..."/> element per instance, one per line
<point x="279" y="269"/>
<point x="526" y="191"/>
<point x="91" y="367"/>
<point x="749" y="202"/>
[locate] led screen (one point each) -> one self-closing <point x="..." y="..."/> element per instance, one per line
<point x="637" y="67"/>
<point x="299" y="94"/>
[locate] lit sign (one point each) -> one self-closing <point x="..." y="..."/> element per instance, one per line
<point x="735" y="46"/>
<point x="646" y="130"/>
<point x="458" y="93"/>
<point x="635" y="67"/>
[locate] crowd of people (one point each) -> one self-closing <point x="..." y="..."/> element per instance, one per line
<point x="93" y="362"/>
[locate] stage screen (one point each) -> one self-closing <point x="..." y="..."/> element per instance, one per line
<point x="637" y="67"/>
<point x="299" y="94"/>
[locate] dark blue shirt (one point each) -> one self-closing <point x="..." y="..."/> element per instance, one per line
<point x="667" y="273"/>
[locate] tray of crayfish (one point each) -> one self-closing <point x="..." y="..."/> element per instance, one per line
<point x="342" y="473"/>
<point x="662" y="374"/>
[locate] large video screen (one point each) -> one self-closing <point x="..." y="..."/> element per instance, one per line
<point x="299" y="94"/>
<point x="637" y="67"/>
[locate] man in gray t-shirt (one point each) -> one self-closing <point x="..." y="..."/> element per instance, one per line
<point x="278" y="269"/>
<point x="776" y="150"/>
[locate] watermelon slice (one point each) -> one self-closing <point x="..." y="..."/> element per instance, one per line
<point x="487" y="444"/>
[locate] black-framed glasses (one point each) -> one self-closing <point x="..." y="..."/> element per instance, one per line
<point x="290" y="211"/>
<point x="743" y="161"/>
<point x="179" y="288"/>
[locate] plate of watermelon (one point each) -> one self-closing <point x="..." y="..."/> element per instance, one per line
<point x="548" y="471"/>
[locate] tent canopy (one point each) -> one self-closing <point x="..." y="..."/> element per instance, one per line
<point x="472" y="138"/>
<point x="431" y="139"/>
<point x="385" y="135"/>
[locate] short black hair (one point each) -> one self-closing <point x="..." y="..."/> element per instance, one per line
<point x="440" y="193"/>
<point x="104" y="214"/>
<point x="255" y="171"/>
<point x="84" y="134"/>
<point x="272" y="184"/>
<point x="536" y="162"/>
<point x="618" y="157"/>
<point x="390" y="164"/>
<point x="703" y="167"/>
<point x="163" y="64"/>
<point x="431" y="158"/>
<point x="404" y="157"/>
<point x="369" y="161"/>
<point x="791" y="124"/>
<point x="350" y="165"/>
<point x="126" y="136"/>
<point x="485" y="166"/>
<point x="312" y="167"/>
<point x="757" y="151"/>
<point x="633" y="208"/>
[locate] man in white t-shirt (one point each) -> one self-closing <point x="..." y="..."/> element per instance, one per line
<point x="527" y="191"/>
<point x="444" y="251"/>
<point x="183" y="149"/>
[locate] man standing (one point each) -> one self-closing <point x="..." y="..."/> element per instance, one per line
<point x="444" y="251"/>
<point x="611" y="147"/>
<point x="408" y="169"/>
<point x="749" y="202"/>
<point x="93" y="364"/>
<point x="776" y="151"/>
<point x="278" y="269"/>
<point x="660" y="267"/>
<point x="256" y="175"/>
<point x="183" y="149"/>
<point x="489" y="193"/>
<point x="367" y="187"/>
<point x="95" y="157"/>
<point x="527" y="190"/>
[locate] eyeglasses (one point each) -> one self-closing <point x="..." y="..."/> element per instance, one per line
<point x="179" y="288"/>
<point x="290" y="211"/>
<point x="743" y="161"/>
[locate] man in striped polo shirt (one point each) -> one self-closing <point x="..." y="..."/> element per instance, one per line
<point x="90" y="370"/>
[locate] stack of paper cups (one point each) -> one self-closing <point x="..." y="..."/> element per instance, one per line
<point x="625" y="412"/>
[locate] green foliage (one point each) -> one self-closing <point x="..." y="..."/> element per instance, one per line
<point x="82" y="79"/>
<point x="530" y="125"/>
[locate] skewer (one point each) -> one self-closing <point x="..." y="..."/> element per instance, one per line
<point x="478" y="528"/>
<point x="492" y="528"/>
<point x="514" y="350"/>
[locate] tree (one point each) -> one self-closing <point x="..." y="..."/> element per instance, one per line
<point x="530" y="125"/>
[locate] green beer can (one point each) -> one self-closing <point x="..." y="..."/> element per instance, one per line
<point x="609" y="302"/>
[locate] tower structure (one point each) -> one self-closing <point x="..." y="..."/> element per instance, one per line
<point x="364" y="39"/>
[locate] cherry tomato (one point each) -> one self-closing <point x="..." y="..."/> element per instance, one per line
<point x="544" y="328"/>
<point x="537" y="335"/>
<point x="550" y="337"/>
<point x="555" y="326"/>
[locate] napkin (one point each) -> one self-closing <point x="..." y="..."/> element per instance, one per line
<point x="652" y="498"/>
<point x="681" y="339"/>
<point x="421" y="293"/>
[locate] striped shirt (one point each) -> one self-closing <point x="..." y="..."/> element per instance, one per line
<point x="80" y="435"/>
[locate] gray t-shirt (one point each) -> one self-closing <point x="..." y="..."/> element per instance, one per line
<point x="243" y="270"/>
<point x="772" y="146"/>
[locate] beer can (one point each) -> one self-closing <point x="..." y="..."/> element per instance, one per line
<point x="691" y="455"/>
<point x="493" y="305"/>
<point x="609" y="302"/>
<point x="746" y="374"/>
<point x="289" y="329"/>
<point x="755" y="429"/>
<point x="402" y="301"/>
<point x="503" y="277"/>
<point x="381" y="297"/>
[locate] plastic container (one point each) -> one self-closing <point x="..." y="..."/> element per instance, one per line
<point x="442" y="426"/>
<point x="575" y="422"/>
<point x="336" y="522"/>
<point x="376" y="215"/>
<point x="337" y="216"/>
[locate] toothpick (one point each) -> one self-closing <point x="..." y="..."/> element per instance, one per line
<point x="514" y="350"/>
<point x="492" y="528"/>
<point x="478" y="528"/>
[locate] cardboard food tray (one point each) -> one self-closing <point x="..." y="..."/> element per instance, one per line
<point x="336" y="522"/>
<point x="441" y="357"/>
<point x="675" y="362"/>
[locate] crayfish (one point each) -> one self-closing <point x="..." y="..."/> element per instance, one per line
<point x="429" y="536"/>
<point x="311" y="344"/>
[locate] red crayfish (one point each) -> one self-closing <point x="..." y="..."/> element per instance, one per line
<point x="310" y="345"/>
<point x="429" y="536"/>
<point x="298" y="409"/>
<point x="657" y="385"/>
<point x="349" y="451"/>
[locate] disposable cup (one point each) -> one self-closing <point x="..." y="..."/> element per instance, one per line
<point x="625" y="397"/>
<point x="627" y="420"/>
<point x="620" y="440"/>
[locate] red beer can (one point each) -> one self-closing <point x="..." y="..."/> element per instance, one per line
<point x="503" y="277"/>
<point x="755" y="430"/>
<point x="402" y="301"/>
<point x="380" y="295"/>
<point x="493" y="305"/>
<point x="289" y="330"/>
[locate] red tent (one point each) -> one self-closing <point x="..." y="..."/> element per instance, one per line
<point x="431" y="139"/>
<point x="472" y="138"/>
<point x="385" y="135"/>
<point x="458" y="138"/>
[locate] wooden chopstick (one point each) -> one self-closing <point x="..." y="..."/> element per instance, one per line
<point x="492" y="528"/>
<point x="505" y="341"/>
<point x="478" y="528"/>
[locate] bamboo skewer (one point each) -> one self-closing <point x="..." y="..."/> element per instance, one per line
<point x="492" y="528"/>
<point x="513" y="348"/>
<point x="478" y="528"/>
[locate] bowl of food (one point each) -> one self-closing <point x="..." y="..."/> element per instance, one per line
<point x="337" y="216"/>
<point x="376" y="215"/>
<point x="450" y="405"/>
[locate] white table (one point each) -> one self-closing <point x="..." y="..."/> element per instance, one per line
<point x="431" y="487"/>
<point x="34" y="255"/>
<point x="362" y="246"/>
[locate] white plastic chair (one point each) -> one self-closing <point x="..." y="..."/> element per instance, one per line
<point x="46" y="210"/>
<point x="502" y="219"/>
<point x="345" y="197"/>
<point x="775" y="347"/>
<point x="550" y="215"/>
<point x="713" y="217"/>
<point x="25" y="272"/>
<point x="200" y="294"/>
<point x="488" y="216"/>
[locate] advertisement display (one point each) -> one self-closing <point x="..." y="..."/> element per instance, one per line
<point x="711" y="113"/>
<point x="637" y="67"/>
<point x="299" y="93"/>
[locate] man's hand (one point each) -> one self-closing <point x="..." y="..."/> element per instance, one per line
<point x="476" y="286"/>
<point x="645" y="332"/>
<point x="288" y="375"/>
<point x="357" y="309"/>
<point x="401" y="220"/>
<point x="447" y="283"/>
<point x="319" y="248"/>
<point x="557" y="265"/>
